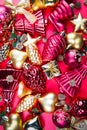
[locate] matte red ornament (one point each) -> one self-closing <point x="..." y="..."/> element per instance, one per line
<point x="61" y="118"/>
<point x="71" y="81"/>
<point x="35" y="79"/>
<point x="22" y="24"/>
<point x="55" y="46"/>
<point x="62" y="12"/>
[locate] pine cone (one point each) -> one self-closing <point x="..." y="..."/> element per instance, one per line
<point x="35" y="79"/>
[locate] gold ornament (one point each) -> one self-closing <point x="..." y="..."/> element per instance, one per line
<point x="75" y="40"/>
<point x="18" y="58"/>
<point x="32" y="50"/>
<point x="48" y="102"/>
<point x="80" y="23"/>
<point x="14" y="122"/>
<point x="23" y="90"/>
<point x="27" y="103"/>
<point x="20" y="8"/>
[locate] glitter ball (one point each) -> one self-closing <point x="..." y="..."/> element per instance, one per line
<point x="10" y="78"/>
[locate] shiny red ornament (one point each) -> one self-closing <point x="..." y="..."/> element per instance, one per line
<point x="55" y="46"/>
<point x="72" y="58"/>
<point x="71" y="81"/>
<point x="5" y="15"/>
<point x="62" y="12"/>
<point x="22" y="24"/>
<point x="61" y="118"/>
<point x="35" y="79"/>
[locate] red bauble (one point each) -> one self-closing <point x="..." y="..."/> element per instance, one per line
<point x="35" y="79"/>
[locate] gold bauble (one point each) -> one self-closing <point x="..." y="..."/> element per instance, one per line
<point x="14" y="122"/>
<point x="18" y="58"/>
<point x="75" y="40"/>
<point x="38" y="4"/>
<point x="23" y="90"/>
<point x="48" y="102"/>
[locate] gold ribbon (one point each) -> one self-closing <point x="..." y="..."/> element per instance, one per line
<point x="20" y="8"/>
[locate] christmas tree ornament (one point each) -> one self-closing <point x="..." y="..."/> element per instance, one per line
<point x="71" y="81"/>
<point x="4" y="51"/>
<point x="75" y="40"/>
<point x="18" y="58"/>
<point x="20" y="8"/>
<point x="33" y="124"/>
<point x="32" y="50"/>
<point x="48" y="102"/>
<point x="80" y="23"/>
<point x="27" y="103"/>
<point x="5" y="15"/>
<point x="23" y="90"/>
<point x="72" y="58"/>
<point x="61" y="118"/>
<point x="51" y="69"/>
<point x="79" y="108"/>
<point x="55" y="46"/>
<point x="81" y="124"/>
<point x="35" y="79"/>
<point x="22" y="24"/>
<point x="61" y="12"/>
<point x="14" y="122"/>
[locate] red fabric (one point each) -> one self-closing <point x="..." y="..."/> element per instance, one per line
<point x="52" y="86"/>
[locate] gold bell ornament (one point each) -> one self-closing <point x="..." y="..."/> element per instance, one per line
<point x="75" y="40"/>
<point x="48" y="102"/>
<point x="32" y="50"/>
<point x="14" y="122"/>
<point x="18" y="58"/>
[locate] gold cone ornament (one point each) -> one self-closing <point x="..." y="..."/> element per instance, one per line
<point x="14" y="122"/>
<point x="48" y="102"/>
<point x="32" y="50"/>
<point x="75" y="40"/>
<point x="23" y="90"/>
<point x="18" y="58"/>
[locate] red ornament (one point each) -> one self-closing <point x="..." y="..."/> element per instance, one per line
<point x="35" y="79"/>
<point x="55" y="46"/>
<point x="62" y="12"/>
<point x="22" y="24"/>
<point x="72" y="58"/>
<point x="61" y="118"/>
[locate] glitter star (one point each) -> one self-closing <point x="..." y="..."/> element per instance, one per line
<point x="80" y="23"/>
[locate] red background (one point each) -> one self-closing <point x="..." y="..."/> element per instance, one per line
<point x="52" y="86"/>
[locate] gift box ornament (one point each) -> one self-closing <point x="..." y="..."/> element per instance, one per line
<point x="54" y="46"/>
<point x="51" y="69"/>
<point x="22" y="24"/>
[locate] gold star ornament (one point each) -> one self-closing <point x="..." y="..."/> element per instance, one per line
<point x="80" y="23"/>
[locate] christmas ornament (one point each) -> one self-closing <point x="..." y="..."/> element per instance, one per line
<point x="32" y="50"/>
<point x="27" y="103"/>
<point x="55" y="46"/>
<point x="18" y="58"/>
<point x="4" y="51"/>
<point x="61" y="118"/>
<point x="14" y="122"/>
<point x="72" y="58"/>
<point x="41" y="4"/>
<point x="70" y="81"/>
<point x="23" y="90"/>
<point x="35" y="79"/>
<point x="33" y="124"/>
<point x="48" y="102"/>
<point x="80" y="23"/>
<point x="20" y="8"/>
<point x="22" y="24"/>
<point x="61" y="12"/>
<point x="75" y="40"/>
<point x="79" y="108"/>
<point x="5" y="15"/>
<point x="51" y="69"/>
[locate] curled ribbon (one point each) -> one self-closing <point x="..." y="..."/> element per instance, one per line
<point x="20" y="8"/>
